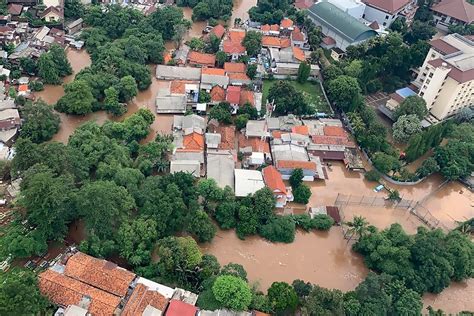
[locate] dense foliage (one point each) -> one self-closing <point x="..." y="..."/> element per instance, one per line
<point x="40" y="121"/>
<point x="53" y="65"/>
<point x="288" y="100"/>
<point x="208" y="9"/>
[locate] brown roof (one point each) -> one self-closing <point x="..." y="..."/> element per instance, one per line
<point x="332" y="140"/>
<point x="193" y="142"/>
<point x="296" y="164"/>
<point x="459" y="9"/>
<point x="333" y="211"/>
<point x="213" y="71"/>
<point x="334" y="131"/>
<point x="102" y="274"/>
<point x="234" y="67"/>
<point x="390" y="6"/>
<point x="303" y="4"/>
<point x="5" y="29"/>
<point x="15" y="9"/>
<point x="63" y="290"/>
<point x="286" y="23"/>
<point x="233" y="95"/>
<point x="238" y="76"/>
<point x="217" y="94"/>
<point x="247" y="97"/>
<point x="179" y="86"/>
<point x="179" y="308"/>
<point x="395" y="96"/>
<point x="198" y="58"/>
<point x="140" y="298"/>
<point x="298" y="53"/>
<point x="273" y="179"/>
<point x="218" y="30"/>
<point x="443" y="47"/>
<point x="455" y="73"/>
<point x="55" y="10"/>
<point x="374" y="26"/>
<point x="233" y="47"/>
<point x="227" y="137"/>
<point x="257" y="144"/>
<point x="285" y="42"/>
<point x="296" y="35"/>
<point x="328" y="40"/>
<point x="271" y="41"/>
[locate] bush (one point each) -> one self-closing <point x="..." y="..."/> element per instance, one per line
<point x="372" y="175"/>
<point x="322" y="222"/>
<point x="279" y="229"/>
<point x="302" y="194"/>
<point x="303" y="221"/>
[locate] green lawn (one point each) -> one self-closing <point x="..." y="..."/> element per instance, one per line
<point x="311" y="90"/>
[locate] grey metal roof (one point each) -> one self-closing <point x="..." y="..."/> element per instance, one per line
<point x="213" y="140"/>
<point x="256" y="129"/>
<point x="220" y="167"/>
<point x="171" y="104"/>
<point x="173" y="72"/>
<point x="189" y="166"/>
<point x="340" y="22"/>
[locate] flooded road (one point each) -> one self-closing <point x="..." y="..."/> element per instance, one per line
<point x="322" y="258"/>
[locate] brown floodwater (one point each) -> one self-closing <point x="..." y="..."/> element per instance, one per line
<point x="241" y="8"/>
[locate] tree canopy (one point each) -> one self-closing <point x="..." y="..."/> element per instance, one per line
<point x="40" y="121"/>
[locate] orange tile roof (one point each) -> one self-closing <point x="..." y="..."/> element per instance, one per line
<point x="231" y="47"/>
<point x="286" y="23"/>
<point x="302" y="130"/>
<point x="102" y="274"/>
<point x="295" y="164"/>
<point x="179" y="308"/>
<point x="238" y="76"/>
<point x="334" y="131"/>
<point x="227" y="137"/>
<point x="332" y="140"/>
<point x="273" y="179"/>
<point x="277" y="134"/>
<point x="140" y="298"/>
<point x="166" y="57"/>
<point x="256" y="143"/>
<point x="198" y="58"/>
<point x="217" y="94"/>
<point x="236" y="35"/>
<point x="179" y="86"/>
<point x="271" y="41"/>
<point x="247" y="96"/>
<point x="233" y="95"/>
<point x="274" y="27"/>
<point x="265" y="28"/>
<point x="296" y="35"/>
<point x="218" y="30"/>
<point x="285" y="42"/>
<point x="63" y="290"/>
<point x="193" y="142"/>
<point x="298" y="53"/>
<point x="234" y="67"/>
<point x="213" y="71"/>
<point x="258" y="313"/>
<point x="23" y="87"/>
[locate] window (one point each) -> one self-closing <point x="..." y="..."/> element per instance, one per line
<point x="386" y="17"/>
<point x="428" y="81"/>
<point x="421" y="94"/>
<point x="363" y="16"/>
<point x="431" y="75"/>
<point x="384" y="23"/>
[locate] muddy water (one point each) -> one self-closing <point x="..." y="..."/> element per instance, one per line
<point x="319" y="257"/>
<point x="241" y="8"/>
<point x="196" y="28"/>
<point x="457" y="297"/>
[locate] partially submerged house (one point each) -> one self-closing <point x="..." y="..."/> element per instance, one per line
<point x="274" y="181"/>
<point x="220" y="167"/>
<point x="247" y="182"/>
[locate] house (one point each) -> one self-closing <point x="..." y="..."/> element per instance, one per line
<point x="274" y="181"/>
<point x="15" y="9"/>
<point x="387" y="11"/>
<point x="52" y="14"/>
<point x="283" y="123"/>
<point x="218" y="31"/>
<point x="227" y="133"/>
<point x="230" y="68"/>
<point x="9" y="36"/>
<point x="211" y="77"/>
<point x="217" y="94"/>
<point x="396" y="98"/>
<point x="247" y="97"/>
<point x="452" y="12"/>
<point x="255" y="150"/>
<point x="187" y="166"/>
<point x="9" y="119"/>
<point x="233" y="96"/>
<point x="287" y="167"/>
<point x="145" y="301"/>
<point x="303" y="4"/>
<point x="342" y="27"/>
<point x="232" y="45"/>
<point x="239" y="79"/>
<point x="189" y="124"/>
<point x="286" y="25"/>
<point x="4" y="72"/>
<point x="179" y="308"/>
<point x="271" y="30"/>
<point x="299" y="39"/>
<point x="247" y="182"/>
<point x="181" y="55"/>
<point x="291" y="69"/>
<point x="75" y="26"/>
<point x="212" y="140"/>
<point x="164" y="72"/>
<point x="220" y="167"/>
<point x="198" y="59"/>
<point x="256" y="129"/>
<point x="168" y="102"/>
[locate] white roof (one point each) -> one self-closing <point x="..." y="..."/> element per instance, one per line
<point x="256" y="129"/>
<point x="247" y="182"/>
<point x="220" y="167"/>
<point x="160" y="288"/>
<point x="189" y="166"/>
<point x="174" y="72"/>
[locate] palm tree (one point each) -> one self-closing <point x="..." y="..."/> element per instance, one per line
<point x="358" y="226"/>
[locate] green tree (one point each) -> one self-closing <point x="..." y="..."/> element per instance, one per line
<point x="282" y="297"/>
<point x="296" y="178"/>
<point x="288" y="100"/>
<point x="241" y="121"/>
<point x="232" y="292"/>
<point x="74" y="9"/>
<point x="47" y="69"/>
<point x="345" y="92"/>
<point x="17" y="288"/>
<point x="302" y="194"/>
<point x="221" y="112"/>
<point x="279" y="229"/>
<point x="322" y="222"/>
<point x="234" y="269"/>
<point x="221" y="58"/>
<point x="136" y="240"/>
<point x="252" y="71"/>
<point x="128" y="88"/>
<point x="302" y="288"/>
<point x="252" y="42"/>
<point x="226" y="213"/>
<point x="358" y="226"/>
<point x="40" y="121"/>
<point x="202" y="227"/>
<point x="78" y="98"/>
<point x="60" y="60"/>
<point x="19" y="243"/>
<point x="321" y="301"/>
<point x="385" y="163"/>
<point x="112" y="104"/>
<point x="405" y="127"/>
<point x="304" y="70"/>
<point x="411" y="105"/>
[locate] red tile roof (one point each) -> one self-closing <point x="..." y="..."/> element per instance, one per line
<point x="140" y="298"/>
<point x="273" y="179"/>
<point x="285" y="42"/>
<point x="390" y="6"/>
<point x="218" y="30"/>
<point x="296" y="35"/>
<point x="286" y="23"/>
<point x="247" y="97"/>
<point x="298" y="53"/>
<point x="274" y="27"/>
<point x="332" y="140"/>
<point x="257" y="144"/>
<point x="193" y="142"/>
<point x="166" y="57"/>
<point x="443" y="47"/>
<point x="268" y="41"/>
<point x="23" y="88"/>
<point x="277" y="134"/>
<point x="179" y="86"/>
<point x="455" y="73"/>
<point x="179" y="308"/>
<point x="233" y="95"/>
<point x="303" y="4"/>
<point x="334" y="131"/>
<point x="459" y="9"/>
<point x="302" y="130"/>
<point x="15" y="9"/>
<point x="203" y="59"/>
<point x="296" y="164"/>
<point x="234" y="67"/>
<point x="230" y="47"/>
<point x="63" y="290"/>
<point x="238" y="76"/>
<point x="328" y="40"/>
<point x="213" y="71"/>
<point x="265" y="28"/>
<point x="227" y="137"/>
<point x="99" y="273"/>
<point x="236" y="35"/>
<point x="217" y="94"/>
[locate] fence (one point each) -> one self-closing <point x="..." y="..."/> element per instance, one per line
<point x="414" y="207"/>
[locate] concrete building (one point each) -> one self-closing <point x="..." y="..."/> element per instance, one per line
<point x="247" y="182"/>
<point x="446" y="78"/>
<point x="452" y="12"/>
<point x="387" y="11"/>
<point x="354" y="8"/>
<point x="220" y="167"/>
<point x="339" y="25"/>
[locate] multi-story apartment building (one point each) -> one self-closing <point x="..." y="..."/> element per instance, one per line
<point x="446" y="79"/>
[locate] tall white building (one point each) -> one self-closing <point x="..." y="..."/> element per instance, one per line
<point x="446" y="79"/>
<point x="387" y="11"/>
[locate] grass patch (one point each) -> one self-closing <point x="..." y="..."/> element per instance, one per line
<point x="310" y="89"/>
